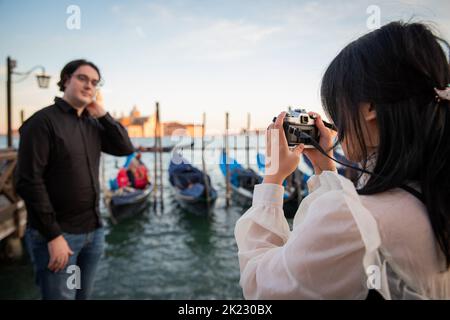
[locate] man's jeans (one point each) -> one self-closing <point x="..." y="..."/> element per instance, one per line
<point x="77" y="279"/>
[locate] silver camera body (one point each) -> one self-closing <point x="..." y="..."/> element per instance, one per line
<point x="295" y="123"/>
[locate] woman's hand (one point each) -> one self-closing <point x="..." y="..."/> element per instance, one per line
<point x="280" y="160"/>
<point x="319" y="161"/>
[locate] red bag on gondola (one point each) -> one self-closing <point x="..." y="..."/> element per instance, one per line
<point x="140" y="177"/>
<point x="122" y="178"/>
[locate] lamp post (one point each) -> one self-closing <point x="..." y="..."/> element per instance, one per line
<point x="43" y="82"/>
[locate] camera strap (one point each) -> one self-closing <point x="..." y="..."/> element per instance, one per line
<point x="414" y="192"/>
<point x="405" y="187"/>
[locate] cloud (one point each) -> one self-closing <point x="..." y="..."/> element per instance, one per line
<point x="133" y="21"/>
<point x="161" y="12"/>
<point x="321" y="19"/>
<point x="140" y="32"/>
<point x="223" y="40"/>
<point x="116" y="9"/>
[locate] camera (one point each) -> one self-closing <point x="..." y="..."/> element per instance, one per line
<point x="299" y="127"/>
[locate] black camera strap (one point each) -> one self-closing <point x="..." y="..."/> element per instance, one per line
<point x="414" y="192"/>
<point x="300" y="134"/>
<point x="405" y="187"/>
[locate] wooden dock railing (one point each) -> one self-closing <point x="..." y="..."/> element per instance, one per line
<point x="12" y="208"/>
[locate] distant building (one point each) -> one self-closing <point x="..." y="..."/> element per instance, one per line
<point x="140" y="126"/>
<point x="137" y="125"/>
<point x="193" y="130"/>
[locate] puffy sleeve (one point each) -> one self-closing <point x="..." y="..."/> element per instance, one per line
<point x="321" y="258"/>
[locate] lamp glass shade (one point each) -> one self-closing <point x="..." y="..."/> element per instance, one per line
<point x="43" y="80"/>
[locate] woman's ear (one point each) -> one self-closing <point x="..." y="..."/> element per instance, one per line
<point x="368" y="111"/>
<point x="371" y="133"/>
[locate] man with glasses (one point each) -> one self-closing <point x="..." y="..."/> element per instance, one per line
<point x="57" y="175"/>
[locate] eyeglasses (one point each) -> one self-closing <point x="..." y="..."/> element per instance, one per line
<point x="85" y="79"/>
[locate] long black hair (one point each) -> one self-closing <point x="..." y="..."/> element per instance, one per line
<point x="395" y="69"/>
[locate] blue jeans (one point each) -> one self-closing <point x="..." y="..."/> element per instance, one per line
<point x="72" y="282"/>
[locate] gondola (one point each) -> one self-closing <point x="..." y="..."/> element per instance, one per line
<point x="127" y="202"/>
<point x="243" y="181"/>
<point x="164" y="149"/>
<point x="156" y="149"/>
<point x="192" y="188"/>
<point x="124" y="201"/>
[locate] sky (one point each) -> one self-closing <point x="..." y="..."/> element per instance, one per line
<point x="193" y="56"/>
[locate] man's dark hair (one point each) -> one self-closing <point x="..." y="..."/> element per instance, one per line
<point x="70" y="68"/>
<point x="396" y="69"/>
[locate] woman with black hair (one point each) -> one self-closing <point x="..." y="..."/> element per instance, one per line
<point x="387" y="93"/>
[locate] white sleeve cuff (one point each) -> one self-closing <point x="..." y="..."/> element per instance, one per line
<point x="268" y="194"/>
<point x="314" y="182"/>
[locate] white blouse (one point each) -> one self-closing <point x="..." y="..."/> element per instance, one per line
<point x="341" y="245"/>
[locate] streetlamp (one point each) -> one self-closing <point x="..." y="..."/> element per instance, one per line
<point x="43" y="82"/>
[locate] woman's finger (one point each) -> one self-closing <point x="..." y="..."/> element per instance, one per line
<point x="279" y="125"/>
<point x="324" y="131"/>
<point x="299" y="149"/>
<point x="279" y="120"/>
<point x="268" y="140"/>
<point x="282" y="138"/>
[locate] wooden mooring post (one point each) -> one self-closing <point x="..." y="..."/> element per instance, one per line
<point x="227" y="163"/>
<point x="257" y="141"/>
<point x="247" y="142"/>
<point x="204" y="168"/>
<point x="158" y="166"/>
